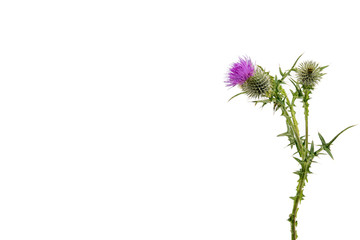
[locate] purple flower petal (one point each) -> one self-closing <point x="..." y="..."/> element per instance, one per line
<point x="240" y="72"/>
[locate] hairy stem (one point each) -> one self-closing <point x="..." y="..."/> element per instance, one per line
<point x="306" y="111"/>
<point x="292" y="122"/>
<point x="295" y="123"/>
<point x="297" y="199"/>
<point x="305" y="166"/>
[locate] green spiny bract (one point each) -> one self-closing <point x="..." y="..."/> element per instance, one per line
<point x="309" y="74"/>
<point x="259" y="85"/>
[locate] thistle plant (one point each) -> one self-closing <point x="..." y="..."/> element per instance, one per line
<point x="265" y="89"/>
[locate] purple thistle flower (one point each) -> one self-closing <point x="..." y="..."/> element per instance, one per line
<point x="240" y="72"/>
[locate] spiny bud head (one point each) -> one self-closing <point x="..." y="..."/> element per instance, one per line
<point x="309" y="74"/>
<point x="258" y="85"/>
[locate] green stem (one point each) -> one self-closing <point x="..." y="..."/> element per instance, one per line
<point x="305" y="166"/>
<point x="306" y="108"/>
<point x="292" y="122"/>
<point x="303" y="173"/>
<point x="297" y="199"/>
<point x="295" y="123"/>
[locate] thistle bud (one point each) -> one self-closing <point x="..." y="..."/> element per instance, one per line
<point x="258" y="85"/>
<point x="309" y="74"/>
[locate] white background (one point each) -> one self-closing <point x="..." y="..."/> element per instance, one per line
<point x="114" y="120"/>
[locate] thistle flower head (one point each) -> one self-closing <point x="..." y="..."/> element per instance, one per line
<point x="240" y="72"/>
<point x="309" y="74"/>
<point x="258" y="85"/>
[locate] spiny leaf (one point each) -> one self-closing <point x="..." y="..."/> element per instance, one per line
<point x="281" y="72"/>
<point x="263" y="69"/>
<point x="322" y="68"/>
<point x="340" y="133"/>
<point x="290" y="70"/>
<point x="322" y="140"/>
<point x="312" y="153"/>
<point x="297" y="60"/>
<point x="320" y="153"/>
<point x="236" y="96"/>
<point x="299" y="172"/>
<point x="326" y="146"/>
<point x="295" y="96"/>
<point x="329" y="152"/>
<point x="301" y="162"/>
<point x="264" y="102"/>
<point x="276" y="107"/>
<point x="297" y="87"/>
<point x="285" y="134"/>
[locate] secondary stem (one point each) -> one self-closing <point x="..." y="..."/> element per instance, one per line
<point x="293" y="130"/>
<point x="295" y="123"/>
<point x="292" y="122"/>
<point x="306" y="108"/>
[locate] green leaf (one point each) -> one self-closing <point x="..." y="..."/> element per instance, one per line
<point x="295" y="95"/>
<point x="297" y="61"/>
<point x="281" y="72"/>
<point x="264" y="102"/>
<point x="262" y="69"/>
<point x="312" y="153"/>
<point x="301" y="162"/>
<point x="291" y="69"/>
<point x="326" y="146"/>
<point x="285" y="134"/>
<point x="298" y="88"/>
<point x="329" y="152"/>
<point x="236" y="96"/>
<point x="312" y="147"/>
<point x="340" y="133"/>
<point x="322" y="68"/>
<point x="322" y="140"/>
